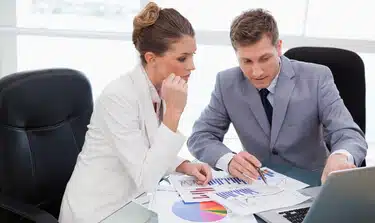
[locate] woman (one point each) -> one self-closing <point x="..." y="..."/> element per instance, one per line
<point x="132" y="139"/>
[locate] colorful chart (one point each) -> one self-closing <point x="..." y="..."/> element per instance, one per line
<point x="201" y="193"/>
<point x="199" y="212"/>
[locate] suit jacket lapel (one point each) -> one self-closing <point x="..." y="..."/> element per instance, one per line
<point x="251" y="96"/>
<point x="146" y="105"/>
<point x="284" y="88"/>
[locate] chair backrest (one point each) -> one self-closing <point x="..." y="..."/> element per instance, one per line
<point x="348" y="73"/>
<point x="43" y="121"/>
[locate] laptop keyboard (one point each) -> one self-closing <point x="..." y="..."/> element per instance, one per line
<point x="296" y="215"/>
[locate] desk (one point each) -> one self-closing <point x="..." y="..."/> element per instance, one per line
<point x="310" y="177"/>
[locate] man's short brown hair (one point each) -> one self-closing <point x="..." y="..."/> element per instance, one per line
<point x="249" y="27"/>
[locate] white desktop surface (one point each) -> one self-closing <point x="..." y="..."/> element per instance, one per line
<point x="132" y="212"/>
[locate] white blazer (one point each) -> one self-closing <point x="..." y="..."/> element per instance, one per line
<point x="126" y="152"/>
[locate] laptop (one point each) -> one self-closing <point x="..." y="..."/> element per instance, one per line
<point x="347" y="196"/>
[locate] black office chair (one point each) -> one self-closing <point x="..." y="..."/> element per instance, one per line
<point x="348" y="72"/>
<point x="43" y="121"/>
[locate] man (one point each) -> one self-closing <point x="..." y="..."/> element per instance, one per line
<point x="284" y="111"/>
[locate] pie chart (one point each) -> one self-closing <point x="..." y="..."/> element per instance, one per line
<point x="199" y="212"/>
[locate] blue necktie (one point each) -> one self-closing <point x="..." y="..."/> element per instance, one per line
<point x="266" y="104"/>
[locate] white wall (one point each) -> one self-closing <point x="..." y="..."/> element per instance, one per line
<point x="8" y="47"/>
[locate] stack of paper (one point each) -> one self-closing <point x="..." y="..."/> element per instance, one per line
<point x="192" y="192"/>
<point x="225" y="198"/>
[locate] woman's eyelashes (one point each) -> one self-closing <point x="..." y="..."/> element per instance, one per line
<point x="181" y="59"/>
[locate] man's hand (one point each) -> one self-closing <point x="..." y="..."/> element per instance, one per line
<point x="199" y="170"/>
<point x="243" y="166"/>
<point x="336" y="162"/>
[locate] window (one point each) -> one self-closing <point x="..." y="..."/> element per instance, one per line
<point x="217" y="16"/>
<point x="341" y="19"/>
<point x="92" y="15"/>
<point x="101" y="60"/>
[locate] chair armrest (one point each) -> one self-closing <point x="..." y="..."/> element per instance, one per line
<point x="26" y="210"/>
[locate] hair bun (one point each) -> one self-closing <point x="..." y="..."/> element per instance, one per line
<point x="147" y="16"/>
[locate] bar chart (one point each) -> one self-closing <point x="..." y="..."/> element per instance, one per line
<point x="237" y="192"/>
<point x="226" y="180"/>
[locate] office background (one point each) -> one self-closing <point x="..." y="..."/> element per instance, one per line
<point x="94" y="36"/>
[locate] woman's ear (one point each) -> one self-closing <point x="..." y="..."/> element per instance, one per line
<point x="150" y="57"/>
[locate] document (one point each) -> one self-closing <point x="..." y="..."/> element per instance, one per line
<point x="256" y="198"/>
<point x="171" y="208"/>
<point x="190" y="191"/>
<point x="279" y="180"/>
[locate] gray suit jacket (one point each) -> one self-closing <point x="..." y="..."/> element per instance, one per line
<point x="308" y="112"/>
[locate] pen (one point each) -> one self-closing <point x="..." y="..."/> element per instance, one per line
<point x="259" y="171"/>
<point x="261" y="175"/>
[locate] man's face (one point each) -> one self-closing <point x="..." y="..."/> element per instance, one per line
<point x="260" y="62"/>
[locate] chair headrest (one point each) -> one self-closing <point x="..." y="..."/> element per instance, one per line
<point x="329" y="56"/>
<point x="43" y="98"/>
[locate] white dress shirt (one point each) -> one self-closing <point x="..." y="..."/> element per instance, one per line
<point x="223" y="162"/>
<point x="155" y="97"/>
